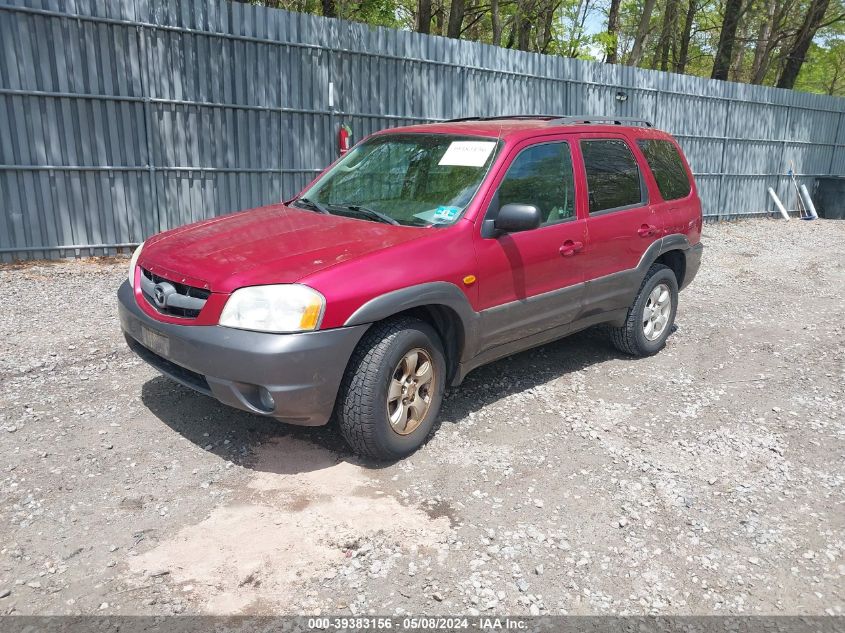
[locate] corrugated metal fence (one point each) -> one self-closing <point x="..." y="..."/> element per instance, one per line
<point x="120" y="118"/>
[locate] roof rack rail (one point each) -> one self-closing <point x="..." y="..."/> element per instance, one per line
<point x="558" y="119"/>
<point x="614" y="120"/>
<point x="504" y="117"/>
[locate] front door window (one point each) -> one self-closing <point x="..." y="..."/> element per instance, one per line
<point x="541" y="175"/>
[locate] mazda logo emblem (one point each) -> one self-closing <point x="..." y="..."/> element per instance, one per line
<point x="161" y="292"/>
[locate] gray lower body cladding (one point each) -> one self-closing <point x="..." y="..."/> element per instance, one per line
<point x="521" y="325"/>
<point x="693" y="261"/>
<point x="301" y="372"/>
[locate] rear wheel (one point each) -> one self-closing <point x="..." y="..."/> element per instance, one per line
<point x="391" y="394"/>
<point x="650" y="318"/>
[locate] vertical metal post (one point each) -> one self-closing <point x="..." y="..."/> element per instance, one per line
<point x="658" y="93"/>
<point x="782" y="156"/>
<point x="148" y="123"/>
<point x="722" y="164"/>
<point x="333" y="92"/>
<point x="282" y="194"/>
<point x="835" y="144"/>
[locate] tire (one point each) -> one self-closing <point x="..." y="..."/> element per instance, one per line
<point x="364" y="403"/>
<point x="632" y="337"/>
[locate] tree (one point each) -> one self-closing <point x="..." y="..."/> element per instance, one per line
<point x="521" y="25"/>
<point x="686" y="37"/>
<point x="612" y="28"/>
<point x="741" y="41"/>
<point x="495" y="23"/>
<point x="791" y="43"/>
<point x="572" y="37"/>
<point x="547" y="18"/>
<point x="329" y="8"/>
<point x="642" y="33"/>
<point x="424" y="16"/>
<point x="824" y="69"/>
<point x="667" y="35"/>
<point x="764" y="46"/>
<point x="727" y="39"/>
<point x="798" y="51"/>
<point x="456" y="19"/>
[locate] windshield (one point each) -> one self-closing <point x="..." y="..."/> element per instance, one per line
<point x="413" y="179"/>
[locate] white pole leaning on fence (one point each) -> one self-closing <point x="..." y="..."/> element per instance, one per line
<point x="808" y="202"/>
<point x="778" y="203"/>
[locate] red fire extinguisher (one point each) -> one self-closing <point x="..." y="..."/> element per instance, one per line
<point x="344" y="138"/>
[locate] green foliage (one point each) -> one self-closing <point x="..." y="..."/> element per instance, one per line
<point x="824" y="70"/>
<point x="376" y="12"/>
<point x="766" y="34"/>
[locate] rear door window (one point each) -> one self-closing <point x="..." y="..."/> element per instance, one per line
<point x="613" y="175"/>
<point x="667" y="166"/>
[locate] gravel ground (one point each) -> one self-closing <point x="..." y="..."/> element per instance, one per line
<point x="568" y="479"/>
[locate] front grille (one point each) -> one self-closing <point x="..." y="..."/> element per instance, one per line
<point x="179" y="300"/>
<point x="178" y="373"/>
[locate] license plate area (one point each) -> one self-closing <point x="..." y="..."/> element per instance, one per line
<point x="155" y="342"/>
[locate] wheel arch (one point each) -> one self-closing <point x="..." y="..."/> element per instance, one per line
<point x="670" y="251"/>
<point x="676" y="261"/>
<point x="440" y="304"/>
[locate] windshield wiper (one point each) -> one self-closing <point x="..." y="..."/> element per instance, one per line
<point x="370" y="213"/>
<point x="307" y="203"/>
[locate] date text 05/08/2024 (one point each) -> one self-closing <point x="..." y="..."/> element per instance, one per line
<point x="417" y="623"/>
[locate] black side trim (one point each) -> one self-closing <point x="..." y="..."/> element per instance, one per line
<point x="693" y="255"/>
<point x="433" y="293"/>
<point x="523" y="318"/>
<point x="673" y="242"/>
<point x="603" y="300"/>
<point x="618" y="290"/>
<point x="535" y="340"/>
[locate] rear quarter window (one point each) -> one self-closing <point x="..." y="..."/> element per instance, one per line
<point x="667" y="166"/>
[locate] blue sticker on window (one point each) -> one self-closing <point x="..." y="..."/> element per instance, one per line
<point x="446" y="213"/>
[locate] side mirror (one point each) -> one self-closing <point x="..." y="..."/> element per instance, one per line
<point x="517" y="217"/>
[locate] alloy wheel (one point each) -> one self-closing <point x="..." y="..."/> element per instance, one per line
<point x="657" y="311"/>
<point x="410" y="391"/>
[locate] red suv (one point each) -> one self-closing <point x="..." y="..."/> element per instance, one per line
<point x="421" y="254"/>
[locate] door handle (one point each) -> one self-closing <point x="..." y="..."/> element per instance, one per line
<point x="570" y="247"/>
<point x="647" y="230"/>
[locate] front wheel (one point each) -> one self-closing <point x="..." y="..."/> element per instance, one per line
<point x="651" y="316"/>
<point x="392" y="390"/>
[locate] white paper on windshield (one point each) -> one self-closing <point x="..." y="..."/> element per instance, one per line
<point x="467" y="153"/>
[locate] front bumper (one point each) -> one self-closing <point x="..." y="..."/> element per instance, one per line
<point x="301" y="372"/>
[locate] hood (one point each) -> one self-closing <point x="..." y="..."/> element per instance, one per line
<point x="268" y="245"/>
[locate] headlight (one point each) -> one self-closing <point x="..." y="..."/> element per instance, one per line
<point x="133" y="263"/>
<point x="282" y="308"/>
